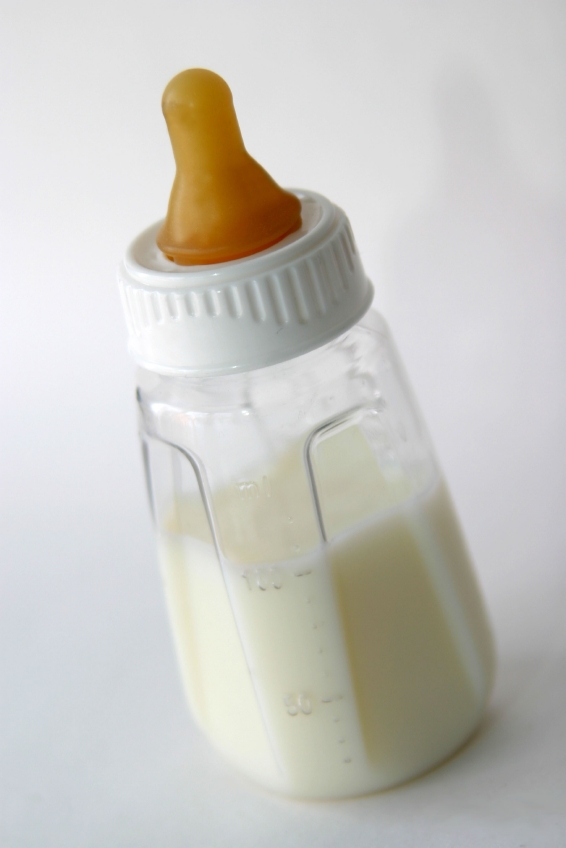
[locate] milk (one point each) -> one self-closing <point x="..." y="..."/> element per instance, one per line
<point x="349" y="661"/>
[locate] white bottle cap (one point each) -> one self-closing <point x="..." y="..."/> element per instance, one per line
<point x="236" y="316"/>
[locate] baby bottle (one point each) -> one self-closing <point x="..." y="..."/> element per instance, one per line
<point x="329" y="630"/>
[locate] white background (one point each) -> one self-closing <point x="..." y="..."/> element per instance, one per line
<point x="440" y="127"/>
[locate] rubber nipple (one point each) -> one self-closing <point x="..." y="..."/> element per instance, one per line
<point x="223" y="205"/>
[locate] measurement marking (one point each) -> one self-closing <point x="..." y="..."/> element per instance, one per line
<point x="295" y="702"/>
<point x="347" y="760"/>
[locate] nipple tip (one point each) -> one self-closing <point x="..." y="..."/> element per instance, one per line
<point x="223" y="204"/>
<point x="193" y="87"/>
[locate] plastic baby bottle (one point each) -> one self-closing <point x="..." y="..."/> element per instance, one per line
<point x="330" y="633"/>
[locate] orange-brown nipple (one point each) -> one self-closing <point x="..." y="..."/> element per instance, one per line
<point x="223" y="205"/>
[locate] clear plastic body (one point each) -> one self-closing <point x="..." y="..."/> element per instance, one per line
<point x="330" y="633"/>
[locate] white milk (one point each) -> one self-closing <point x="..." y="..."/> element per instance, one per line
<point x="345" y="669"/>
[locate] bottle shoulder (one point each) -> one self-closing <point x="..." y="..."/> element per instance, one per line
<point x="351" y="391"/>
<point x="352" y="360"/>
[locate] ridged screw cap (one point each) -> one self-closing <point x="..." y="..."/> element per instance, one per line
<point x="251" y="312"/>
